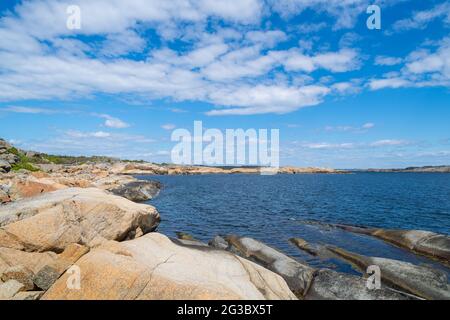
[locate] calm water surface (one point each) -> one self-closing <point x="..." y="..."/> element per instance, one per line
<point x="275" y="208"/>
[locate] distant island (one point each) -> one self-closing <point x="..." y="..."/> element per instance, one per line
<point x="438" y="169"/>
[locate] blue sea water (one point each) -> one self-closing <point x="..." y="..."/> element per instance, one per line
<point x="275" y="208"/>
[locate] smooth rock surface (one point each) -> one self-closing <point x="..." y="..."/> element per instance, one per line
<point x="138" y="191"/>
<point x="154" y="267"/>
<point x="299" y="276"/>
<point x="421" y="281"/>
<point x="430" y="244"/>
<point x="332" y="285"/>
<point x="52" y="221"/>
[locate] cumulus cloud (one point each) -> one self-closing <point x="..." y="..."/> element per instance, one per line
<point x="345" y="12"/>
<point x="423" y="67"/>
<point x="221" y="67"/>
<point x="266" y="99"/>
<point x="112" y="122"/>
<point x="236" y="68"/>
<point x="421" y="19"/>
<point x="387" y="61"/>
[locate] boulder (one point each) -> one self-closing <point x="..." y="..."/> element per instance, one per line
<point x="30" y="260"/>
<point x="153" y="267"/>
<point x="427" y="243"/>
<point x="298" y="275"/>
<point x="219" y="243"/>
<point x="9" y="158"/>
<point x="52" y="221"/>
<point x="52" y="271"/>
<point x="135" y="168"/>
<point x="26" y="186"/>
<point x="5" y="166"/>
<point x="9" y="289"/>
<point x="332" y="285"/>
<point x="113" y="181"/>
<point x="21" y="274"/>
<point x="138" y="191"/>
<point x="4" y="194"/>
<point x="185" y="236"/>
<point x="421" y="281"/>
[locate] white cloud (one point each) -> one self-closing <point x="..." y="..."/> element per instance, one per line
<point x="112" y="137"/>
<point x="377" y="84"/>
<point x="353" y="129"/>
<point x="20" y="109"/>
<point x="96" y="134"/>
<point x="325" y="145"/>
<point x="421" y="19"/>
<point x="387" y="61"/>
<point x="168" y="126"/>
<point x="368" y="125"/>
<point x="345" y="12"/>
<point x="112" y="122"/>
<point x="422" y="68"/>
<point x="389" y="142"/>
<point x="266" y="99"/>
<point x="266" y="38"/>
<point x="341" y="61"/>
<point x="220" y="67"/>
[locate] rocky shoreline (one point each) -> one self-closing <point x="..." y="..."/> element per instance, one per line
<point x="65" y="223"/>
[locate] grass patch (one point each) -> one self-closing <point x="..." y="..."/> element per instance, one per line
<point x="23" y="163"/>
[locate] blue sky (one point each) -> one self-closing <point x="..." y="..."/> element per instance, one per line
<point x="341" y="95"/>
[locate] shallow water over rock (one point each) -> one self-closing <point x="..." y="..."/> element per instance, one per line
<point x="274" y="209"/>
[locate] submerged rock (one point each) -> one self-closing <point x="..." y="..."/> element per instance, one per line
<point x="299" y="276"/>
<point x="332" y="285"/>
<point x="329" y="284"/>
<point x="218" y="242"/>
<point x="322" y="284"/>
<point x="426" y="243"/>
<point x="154" y="267"/>
<point x="313" y="250"/>
<point x="138" y="190"/>
<point x="53" y="221"/>
<point x="421" y="281"/>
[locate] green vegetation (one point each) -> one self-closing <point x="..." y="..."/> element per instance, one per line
<point x="26" y="162"/>
<point x="23" y="163"/>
